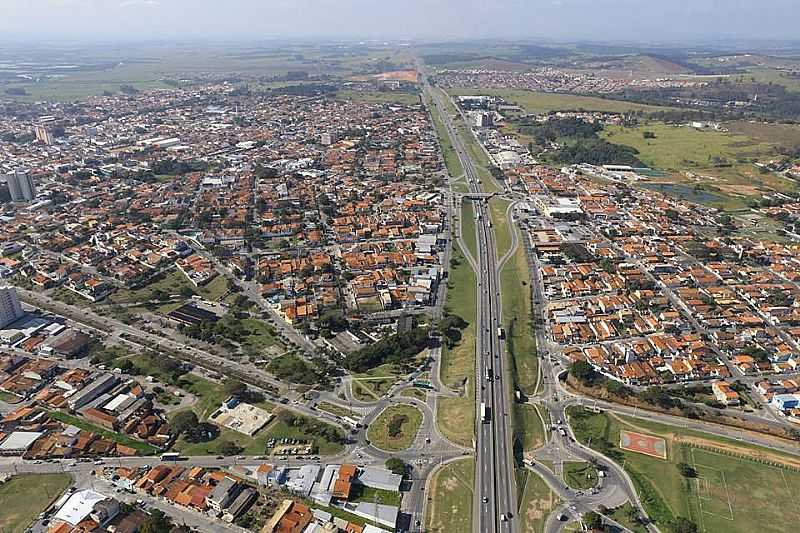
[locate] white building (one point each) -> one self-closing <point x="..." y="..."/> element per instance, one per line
<point x="10" y="308"/>
<point x="20" y="186"/>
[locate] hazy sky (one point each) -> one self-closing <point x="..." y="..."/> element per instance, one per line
<point x="620" y="20"/>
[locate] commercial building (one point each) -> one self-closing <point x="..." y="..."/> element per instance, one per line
<point x="10" y="308"/>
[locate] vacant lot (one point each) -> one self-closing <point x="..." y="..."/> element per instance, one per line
<point x="24" y="497"/>
<point x="450" y="505"/>
<point x="395" y="428"/>
<point x="709" y="167"/>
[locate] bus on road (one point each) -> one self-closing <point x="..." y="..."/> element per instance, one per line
<point x="485" y="413"/>
<point x="171" y="456"/>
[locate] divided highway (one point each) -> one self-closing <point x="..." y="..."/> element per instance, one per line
<point x="496" y="497"/>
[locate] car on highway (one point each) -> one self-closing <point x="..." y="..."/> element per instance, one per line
<point x="485" y="499"/>
<point x="503" y="517"/>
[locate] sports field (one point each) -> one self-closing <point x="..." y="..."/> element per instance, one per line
<point x="754" y="485"/>
<point x="641" y="443"/>
<point x="737" y="494"/>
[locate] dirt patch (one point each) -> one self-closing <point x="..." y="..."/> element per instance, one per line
<point x="743" y="190"/>
<point x="536" y="509"/>
<point x="398" y="75"/>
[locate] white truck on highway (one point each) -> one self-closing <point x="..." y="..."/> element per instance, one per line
<point x="485" y="413"/>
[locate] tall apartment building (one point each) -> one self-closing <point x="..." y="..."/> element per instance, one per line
<point x="20" y="186"/>
<point x="10" y="308"/>
<point x="43" y="134"/>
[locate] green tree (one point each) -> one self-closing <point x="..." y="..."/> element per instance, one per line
<point x="397" y="466"/>
<point x="592" y="520"/>
<point x="686" y="470"/>
<point x="684" y="525"/>
<point x="583" y="372"/>
<point x="184" y="421"/>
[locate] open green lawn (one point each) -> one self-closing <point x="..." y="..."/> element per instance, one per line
<point x="535" y="504"/>
<point x="502" y="229"/>
<point x="520" y="341"/>
<point x="379" y="430"/>
<point x="372" y="97"/>
<point x="721" y="162"/>
<point x="260" y="336"/>
<point x="528" y="427"/>
<point x="141" y="447"/>
<point x="467" y="225"/>
<point x="24" y="497"/>
<point x="215" y="289"/>
<point x="455" y="417"/>
<point x="536" y="102"/>
<point x="172" y="282"/>
<point x="255" y="445"/>
<point x="580" y="475"/>
<point x="730" y="493"/>
<point x="210" y="394"/>
<point x="626" y="514"/>
<point x="451" y="495"/>
<point x="682" y="147"/>
<point x="362" y="493"/>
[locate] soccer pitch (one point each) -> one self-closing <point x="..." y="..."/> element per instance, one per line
<point x="738" y="494"/>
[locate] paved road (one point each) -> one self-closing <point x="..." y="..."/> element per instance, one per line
<point x="496" y="495"/>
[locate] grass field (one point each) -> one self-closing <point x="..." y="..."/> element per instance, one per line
<point x="468" y="234"/>
<point x="520" y="341"/>
<point x="720" y="162"/>
<point x="373" y="97"/>
<point x="502" y="229"/>
<point x="451" y="494"/>
<point x="336" y="410"/>
<point x="580" y="475"/>
<point x="731" y="493"/>
<point x="528" y="427"/>
<point x="536" y="102"/>
<point x="536" y="503"/>
<point x="449" y="154"/>
<point x="378" y="431"/>
<point x="626" y="515"/>
<point x="23" y="497"/>
<point x="455" y="417"/>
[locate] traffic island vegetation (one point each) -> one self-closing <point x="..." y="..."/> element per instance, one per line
<point x="450" y="497"/>
<point x="707" y="482"/>
<point x="395" y="428"/>
<point x="455" y="417"/>
<point x="580" y="475"/>
<point x="24" y="497"/>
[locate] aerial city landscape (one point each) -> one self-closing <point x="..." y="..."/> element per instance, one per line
<point x="300" y="284"/>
